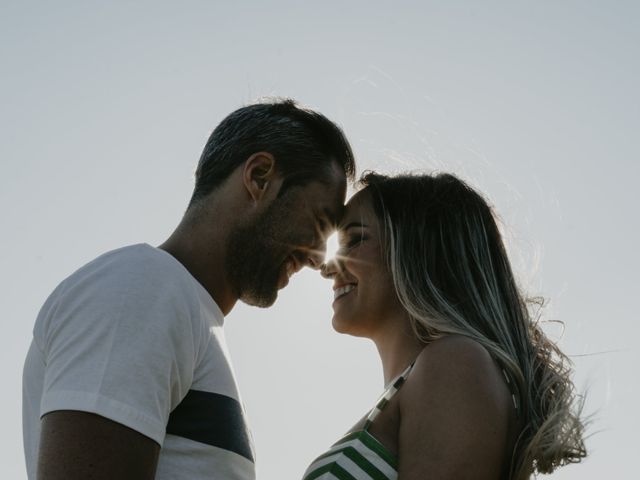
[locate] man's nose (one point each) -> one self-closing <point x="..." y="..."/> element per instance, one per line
<point x="315" y="256"/>
<point x="329" y="269"/>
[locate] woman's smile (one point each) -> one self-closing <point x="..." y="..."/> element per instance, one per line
<point x="343" y="290"/>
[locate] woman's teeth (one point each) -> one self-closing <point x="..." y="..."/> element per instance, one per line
<point x="339" y="292"/>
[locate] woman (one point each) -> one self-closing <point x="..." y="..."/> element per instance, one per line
<point x="475" y="390"/>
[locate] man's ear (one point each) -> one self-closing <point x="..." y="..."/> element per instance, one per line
<point x="258" y="173"/>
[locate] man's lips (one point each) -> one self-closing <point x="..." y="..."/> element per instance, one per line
<point x="290" y="266"/>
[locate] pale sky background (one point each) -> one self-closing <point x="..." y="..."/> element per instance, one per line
<point x="105" y="107"/>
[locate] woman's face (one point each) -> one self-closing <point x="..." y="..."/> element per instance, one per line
<point x="364" y="296"/>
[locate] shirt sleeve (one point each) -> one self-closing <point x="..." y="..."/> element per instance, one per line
<point x="121" y="343"/>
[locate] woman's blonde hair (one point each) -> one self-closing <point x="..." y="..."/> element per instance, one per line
<point x="452" y="274"/>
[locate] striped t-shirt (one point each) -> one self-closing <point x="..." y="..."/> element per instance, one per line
<point x="359" y="455"/>
<point x="133" y="337"/>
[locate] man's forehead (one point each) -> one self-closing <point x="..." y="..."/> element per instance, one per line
<point x="329" y="196"/>
<point x="333" y="215"/>
<point x="338" y="179"/>
<point x="328" y="205"/>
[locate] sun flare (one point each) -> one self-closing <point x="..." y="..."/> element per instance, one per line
<point x="332" y="247"/>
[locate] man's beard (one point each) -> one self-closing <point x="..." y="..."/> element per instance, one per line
<point x="256" y="253"/>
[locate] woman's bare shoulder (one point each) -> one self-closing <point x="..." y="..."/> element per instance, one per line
<point x="456" y="359"/>
<point x="454" y="415"/>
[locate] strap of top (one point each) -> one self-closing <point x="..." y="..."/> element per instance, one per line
<point x="395" y="385"/>
<point x="387" y="395"/>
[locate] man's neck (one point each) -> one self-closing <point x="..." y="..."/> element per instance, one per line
<point x="200" y="246"/>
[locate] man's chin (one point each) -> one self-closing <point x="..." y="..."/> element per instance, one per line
<point x="259" y="299"/>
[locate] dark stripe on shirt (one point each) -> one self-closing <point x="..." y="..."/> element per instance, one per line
<point x="214" y="419"/>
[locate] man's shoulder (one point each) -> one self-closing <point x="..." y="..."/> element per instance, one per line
<point x="130" y="285"/>
<point x="140" y="264"/>
<point x="141" y="255"/>
<point x="135" y="276"/>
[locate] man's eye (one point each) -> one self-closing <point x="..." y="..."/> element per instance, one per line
<point x="324" y="227"/>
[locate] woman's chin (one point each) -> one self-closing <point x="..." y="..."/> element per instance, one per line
<point x="347" y="327"/>
<point x="339" y="324"/>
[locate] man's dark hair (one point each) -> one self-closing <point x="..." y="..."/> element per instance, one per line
<point x="303" y="142"/>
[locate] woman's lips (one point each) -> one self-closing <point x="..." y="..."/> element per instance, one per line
<point x="343" y="290"/>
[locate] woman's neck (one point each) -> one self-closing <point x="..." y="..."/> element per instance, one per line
<point x="397" y="347"/>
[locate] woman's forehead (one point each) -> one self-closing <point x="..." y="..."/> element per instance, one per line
<point x="357" y="209"/>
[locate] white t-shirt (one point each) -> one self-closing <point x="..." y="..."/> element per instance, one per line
<point x="133" y="337"/>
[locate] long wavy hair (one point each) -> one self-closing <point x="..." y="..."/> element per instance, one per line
<point x="451" y="273"/>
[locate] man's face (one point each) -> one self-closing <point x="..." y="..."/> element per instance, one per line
<point x="290" y="233"/>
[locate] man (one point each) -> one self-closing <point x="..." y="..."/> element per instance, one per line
<point x="127" y="376"/>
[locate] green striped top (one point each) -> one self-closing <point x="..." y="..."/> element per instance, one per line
<point x="359" y="455"/>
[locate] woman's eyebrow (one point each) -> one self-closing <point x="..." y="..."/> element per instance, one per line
<point x="351" y="225"/>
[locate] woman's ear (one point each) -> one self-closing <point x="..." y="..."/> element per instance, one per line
<point x="258" y="173"/>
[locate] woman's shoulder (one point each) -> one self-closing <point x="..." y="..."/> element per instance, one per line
<point x="454" y="404"/>
<point x="455" y="344"/>
<point x="455" y="353"/>
<point x="459" y="372"/>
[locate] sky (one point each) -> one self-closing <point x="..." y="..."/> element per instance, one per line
<point x="105" y="108"/>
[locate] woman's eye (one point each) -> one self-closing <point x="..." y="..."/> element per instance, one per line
<point x="352" y="242"/>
